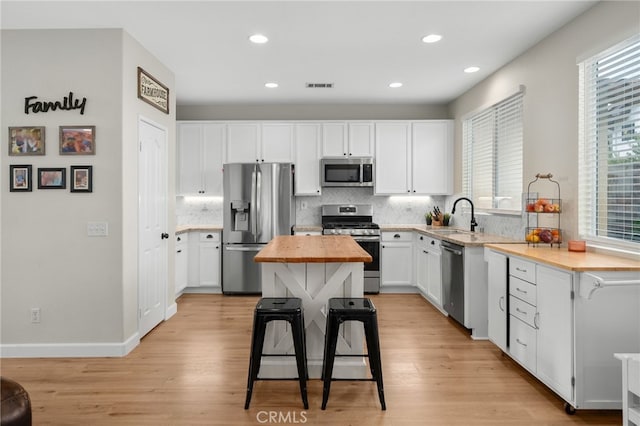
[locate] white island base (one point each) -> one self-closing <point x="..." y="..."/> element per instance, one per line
<point x="315" y="284"/>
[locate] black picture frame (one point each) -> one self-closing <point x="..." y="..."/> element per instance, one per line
<point x="20" y="178"/>
<point x="81" y="178"/>
<point x="52" y="177"/>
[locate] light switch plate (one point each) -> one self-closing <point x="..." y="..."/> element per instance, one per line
<point x="97" y="229"/>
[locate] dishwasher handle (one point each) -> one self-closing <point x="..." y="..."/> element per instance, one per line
<point x="452" y="250"/>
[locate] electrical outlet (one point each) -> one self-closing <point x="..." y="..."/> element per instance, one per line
<point x="97" y="229"/>
<point x="35" y="315"/>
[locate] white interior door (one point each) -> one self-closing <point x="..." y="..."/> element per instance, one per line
<point x="153" y="236"/>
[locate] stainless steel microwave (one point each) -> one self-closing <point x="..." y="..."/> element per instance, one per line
<point x="347" y="171"/>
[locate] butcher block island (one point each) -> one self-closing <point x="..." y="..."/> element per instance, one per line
<point x="314" y="268"/>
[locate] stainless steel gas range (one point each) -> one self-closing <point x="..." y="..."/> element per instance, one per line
<point x="356" y="220"/>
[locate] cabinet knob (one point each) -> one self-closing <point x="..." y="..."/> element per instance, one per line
<point x="318" y="191"/>
<point x="164" y="235"/>
<point x="421" y="238"/>
<point x="344" y="153"/>
<point x="179" y="239"/>
<point x="179" y="251"/>
<point x="414" y="190"/>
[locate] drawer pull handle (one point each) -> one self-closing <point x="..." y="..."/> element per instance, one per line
<point x="521" y="290"/>
<point x="522" y="343"/>
<point x="500" y="302"/>
<point x="396" y="236"/>
<point x="209" y="236"/>
<point x="521" y="311"/>
<point x="521" y="270"/>
<point x="535" y="320"/>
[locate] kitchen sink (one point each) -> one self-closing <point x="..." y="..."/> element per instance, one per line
<point x="449" y="231"/>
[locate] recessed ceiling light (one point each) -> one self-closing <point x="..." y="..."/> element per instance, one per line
<point x="258" y="39"/>
<point x="271" y="85"/>
<point x="395" y="84"/>
<point x="431" y="38"/>
<point x="471" y="69"/>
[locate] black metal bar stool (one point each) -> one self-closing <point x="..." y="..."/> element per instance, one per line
<point x="273" y="309"/>
<point x="352" y="309"/>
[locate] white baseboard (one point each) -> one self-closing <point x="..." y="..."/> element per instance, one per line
<point x="171" y="311"/>
<point x="70" y="350"/>
<point x="403" y="289"/>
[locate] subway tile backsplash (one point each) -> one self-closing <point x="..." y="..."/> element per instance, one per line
<point x="386" y="210"/>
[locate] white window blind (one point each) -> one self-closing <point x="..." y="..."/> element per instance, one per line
<point x="492" y="156"/>
<point x="609" y="169"/>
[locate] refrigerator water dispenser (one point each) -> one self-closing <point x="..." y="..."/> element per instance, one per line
<point x="240" y="210"/>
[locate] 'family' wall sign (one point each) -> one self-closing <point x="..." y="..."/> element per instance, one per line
<point x="68" y="103"/>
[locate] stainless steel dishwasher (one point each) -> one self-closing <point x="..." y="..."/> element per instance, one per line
<point x="453" y="280"/>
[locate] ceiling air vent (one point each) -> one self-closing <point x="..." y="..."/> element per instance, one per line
<point x="319" y="85"/>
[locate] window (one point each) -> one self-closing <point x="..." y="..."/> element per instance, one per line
<point x="609" y="171"/>
<point x="492" y="156"/>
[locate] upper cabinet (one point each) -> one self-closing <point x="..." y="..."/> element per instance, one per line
<point x="259" y="142"/>
<point x="200" y="154"/>
<point x="347" y="139"/>
<point x="432" y="157"/>
<point x="414" y="157"/>
<point x="307" y="148"/>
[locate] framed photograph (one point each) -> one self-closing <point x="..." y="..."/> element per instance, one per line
<point x="20" y="178"/>
<point x="77" y="140"/>
<point x="152" y="91"/>
<point x="81" y="179"/>
<point x="26" y="140"/>
<point x="52" y="178"/>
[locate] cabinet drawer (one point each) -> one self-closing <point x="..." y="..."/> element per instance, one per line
<point x="522" y="290"/>
<point x="522" y="310"/>
<point x="522" y="343"/>
<point x="213" y="237"/>
<point x="522" y="269"/>
<point x="397" y="236"/>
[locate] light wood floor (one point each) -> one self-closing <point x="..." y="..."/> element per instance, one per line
<point x="191" y="370"/>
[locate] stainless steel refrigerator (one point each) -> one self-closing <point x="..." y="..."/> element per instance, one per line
<point x="258" y="205"/>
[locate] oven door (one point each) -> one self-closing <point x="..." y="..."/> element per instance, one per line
<point x="371" y="244"/>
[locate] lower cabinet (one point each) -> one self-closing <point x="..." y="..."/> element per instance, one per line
<point x="564" y="326"/>
<point x="428" y="269"/>
<point x="182" y="258"/>
<point x="209" y="254"/>
<point x="396" y="266"/>
<point x="204" y="271"/>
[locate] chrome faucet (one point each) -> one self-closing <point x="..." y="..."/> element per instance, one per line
<point x="473" y="217"/>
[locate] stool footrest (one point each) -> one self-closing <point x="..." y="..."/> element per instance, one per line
<point x="341" y="379"/>
<point x="354" y="355"/>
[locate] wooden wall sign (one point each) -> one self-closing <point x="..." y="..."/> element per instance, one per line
<point x="152" y="91"/>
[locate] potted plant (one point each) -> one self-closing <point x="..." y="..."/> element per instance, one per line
<point x="446" y="218"/>
<point x="429" y="218"/>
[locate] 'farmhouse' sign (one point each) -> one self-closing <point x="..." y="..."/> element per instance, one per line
<point x="152" y="91"/>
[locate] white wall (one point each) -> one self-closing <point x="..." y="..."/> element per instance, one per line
<point x="86" y="287"/>
<point x="550" y="74"/>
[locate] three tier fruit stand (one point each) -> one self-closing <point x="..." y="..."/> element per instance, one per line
<point x="545" y="212"/>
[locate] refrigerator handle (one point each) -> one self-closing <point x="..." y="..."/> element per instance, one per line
<point x="252" y="209"/>
<point x="258" y="202"/>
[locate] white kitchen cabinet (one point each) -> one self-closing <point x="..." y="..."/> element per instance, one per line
<point x="396" y="266"/>
<point x="497" y="297"/>
<point x="392" y="167"/>
<point x="181" y="265"/>
<point x="209" y="259"/>
<point x="259" y="142"/>
<point x="243" y="142"/>
<point x="554" y="323"/>
<point x="307" y="163"/>
<point x="277" y="143"/>
<point x="200" y="157"/>
<point x="428" y="269"/>
<point x="564" y="325"/>
<point x="414" y="157"/>
<point x="432" y="157"/>
<point x="347" y="139"/>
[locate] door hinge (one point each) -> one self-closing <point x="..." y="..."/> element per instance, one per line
<point x="573" y="381"/>
<point x="139" y="313"/>
<point x="573" y="294"/>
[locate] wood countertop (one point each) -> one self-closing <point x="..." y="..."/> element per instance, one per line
<point x="313" y="249"/>
<point x="571" y="260"/>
